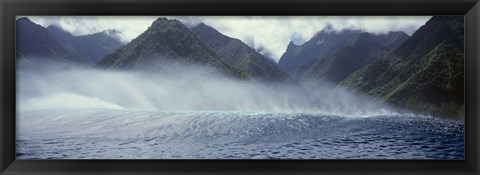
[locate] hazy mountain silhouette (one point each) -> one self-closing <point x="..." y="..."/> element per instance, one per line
<point x="36" y="42"/>
<point x="323" y="43"/>
<point x="91" y="47"/>
<point x="422" y="73"/>
<point x="359" y="52"/>
<point x="240" y="55"/>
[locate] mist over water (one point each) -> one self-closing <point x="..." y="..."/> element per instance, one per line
<point x="185" y="111"/>
<point x="173" y="87"/>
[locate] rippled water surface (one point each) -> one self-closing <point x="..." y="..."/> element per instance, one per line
<point x="121" y="134"/>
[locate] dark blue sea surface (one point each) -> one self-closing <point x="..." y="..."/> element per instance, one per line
<point x="121" y="134"/>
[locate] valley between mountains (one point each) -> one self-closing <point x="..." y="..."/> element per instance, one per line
<point x="340" y="72"/>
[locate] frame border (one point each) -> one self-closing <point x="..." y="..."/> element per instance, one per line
<point x="11" y="8"/>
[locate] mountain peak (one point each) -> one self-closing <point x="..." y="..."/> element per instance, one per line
<point x="202" y="25"/>
<point x="162" y="22"/>
<point x="35" y="40"/>
<point x="435" y="30"/>
<point x="59" y="32"/>
<point x="166" y="40"/>
<point x="291" y="45"/>
<point x="328" y="28"/>
<point x="26" y="21"/>
<point x="160" y="19"/>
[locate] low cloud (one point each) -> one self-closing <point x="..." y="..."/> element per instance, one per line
<point x="173" y="87"/>
<point x="268" y="33"/>
<point x="129" y="27"/>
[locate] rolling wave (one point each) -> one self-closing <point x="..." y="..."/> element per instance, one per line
<point x="108" y="133"/>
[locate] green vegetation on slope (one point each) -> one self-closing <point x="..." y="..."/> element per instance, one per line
<point x="361" y="51"/>
<point x="438" y="86"/>
<point x="424" y="74"/>
<point x="166" y="40"/>
<point x="239" y="55"/>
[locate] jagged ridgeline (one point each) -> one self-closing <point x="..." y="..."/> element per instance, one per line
<point x="239" y="55"/>
<point x="92" y="47"/>
<point x="36" y="43"/>
<point x="360" y="51"/>
<point x="425" y="74"/>
<point x="422" y="73"/>
<point x="331" y="56"/>
<point x="299" y="58"/>
<point x="163" y="42"/>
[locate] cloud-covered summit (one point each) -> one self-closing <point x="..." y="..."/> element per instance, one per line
<point x="270" y="35"/>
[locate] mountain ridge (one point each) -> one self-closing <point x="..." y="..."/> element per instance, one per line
<point x="357" y="53"/>
<point x="239" y="55"/>
<point x="391" y="75"/>
<point x="33" y="40"/>
<point x="166" y="40"/>
<point x="92" y="47"/>
<point x="422" y="73"/>
<point x="323" y="43"/>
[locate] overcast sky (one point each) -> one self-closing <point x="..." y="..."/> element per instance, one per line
<point x="267" y="34"/>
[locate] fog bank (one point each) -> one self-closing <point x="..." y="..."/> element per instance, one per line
<point x="173" y="87"/>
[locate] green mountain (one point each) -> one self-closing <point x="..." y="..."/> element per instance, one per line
<point x="91" y="47"/>
<point x="391" y="40"/>
<point x="323" y="43"/>
<point x="424" y="74"/>
<point x="34" y="42"/>
<point x="359" y="52"/>
<point x="298" y="59"/>
<point x="165" y="41"/>
<point x="239" y="55"/>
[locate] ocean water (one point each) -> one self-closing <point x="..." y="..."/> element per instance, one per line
<point x="132" y="134"/>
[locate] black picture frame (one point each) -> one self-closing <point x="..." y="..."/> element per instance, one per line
<point x="10" y="8"/>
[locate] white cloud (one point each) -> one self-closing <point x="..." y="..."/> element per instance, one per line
<point x="128" y="26"/>
<point x="268" y="34"/>
<point x="274" y="33"/>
